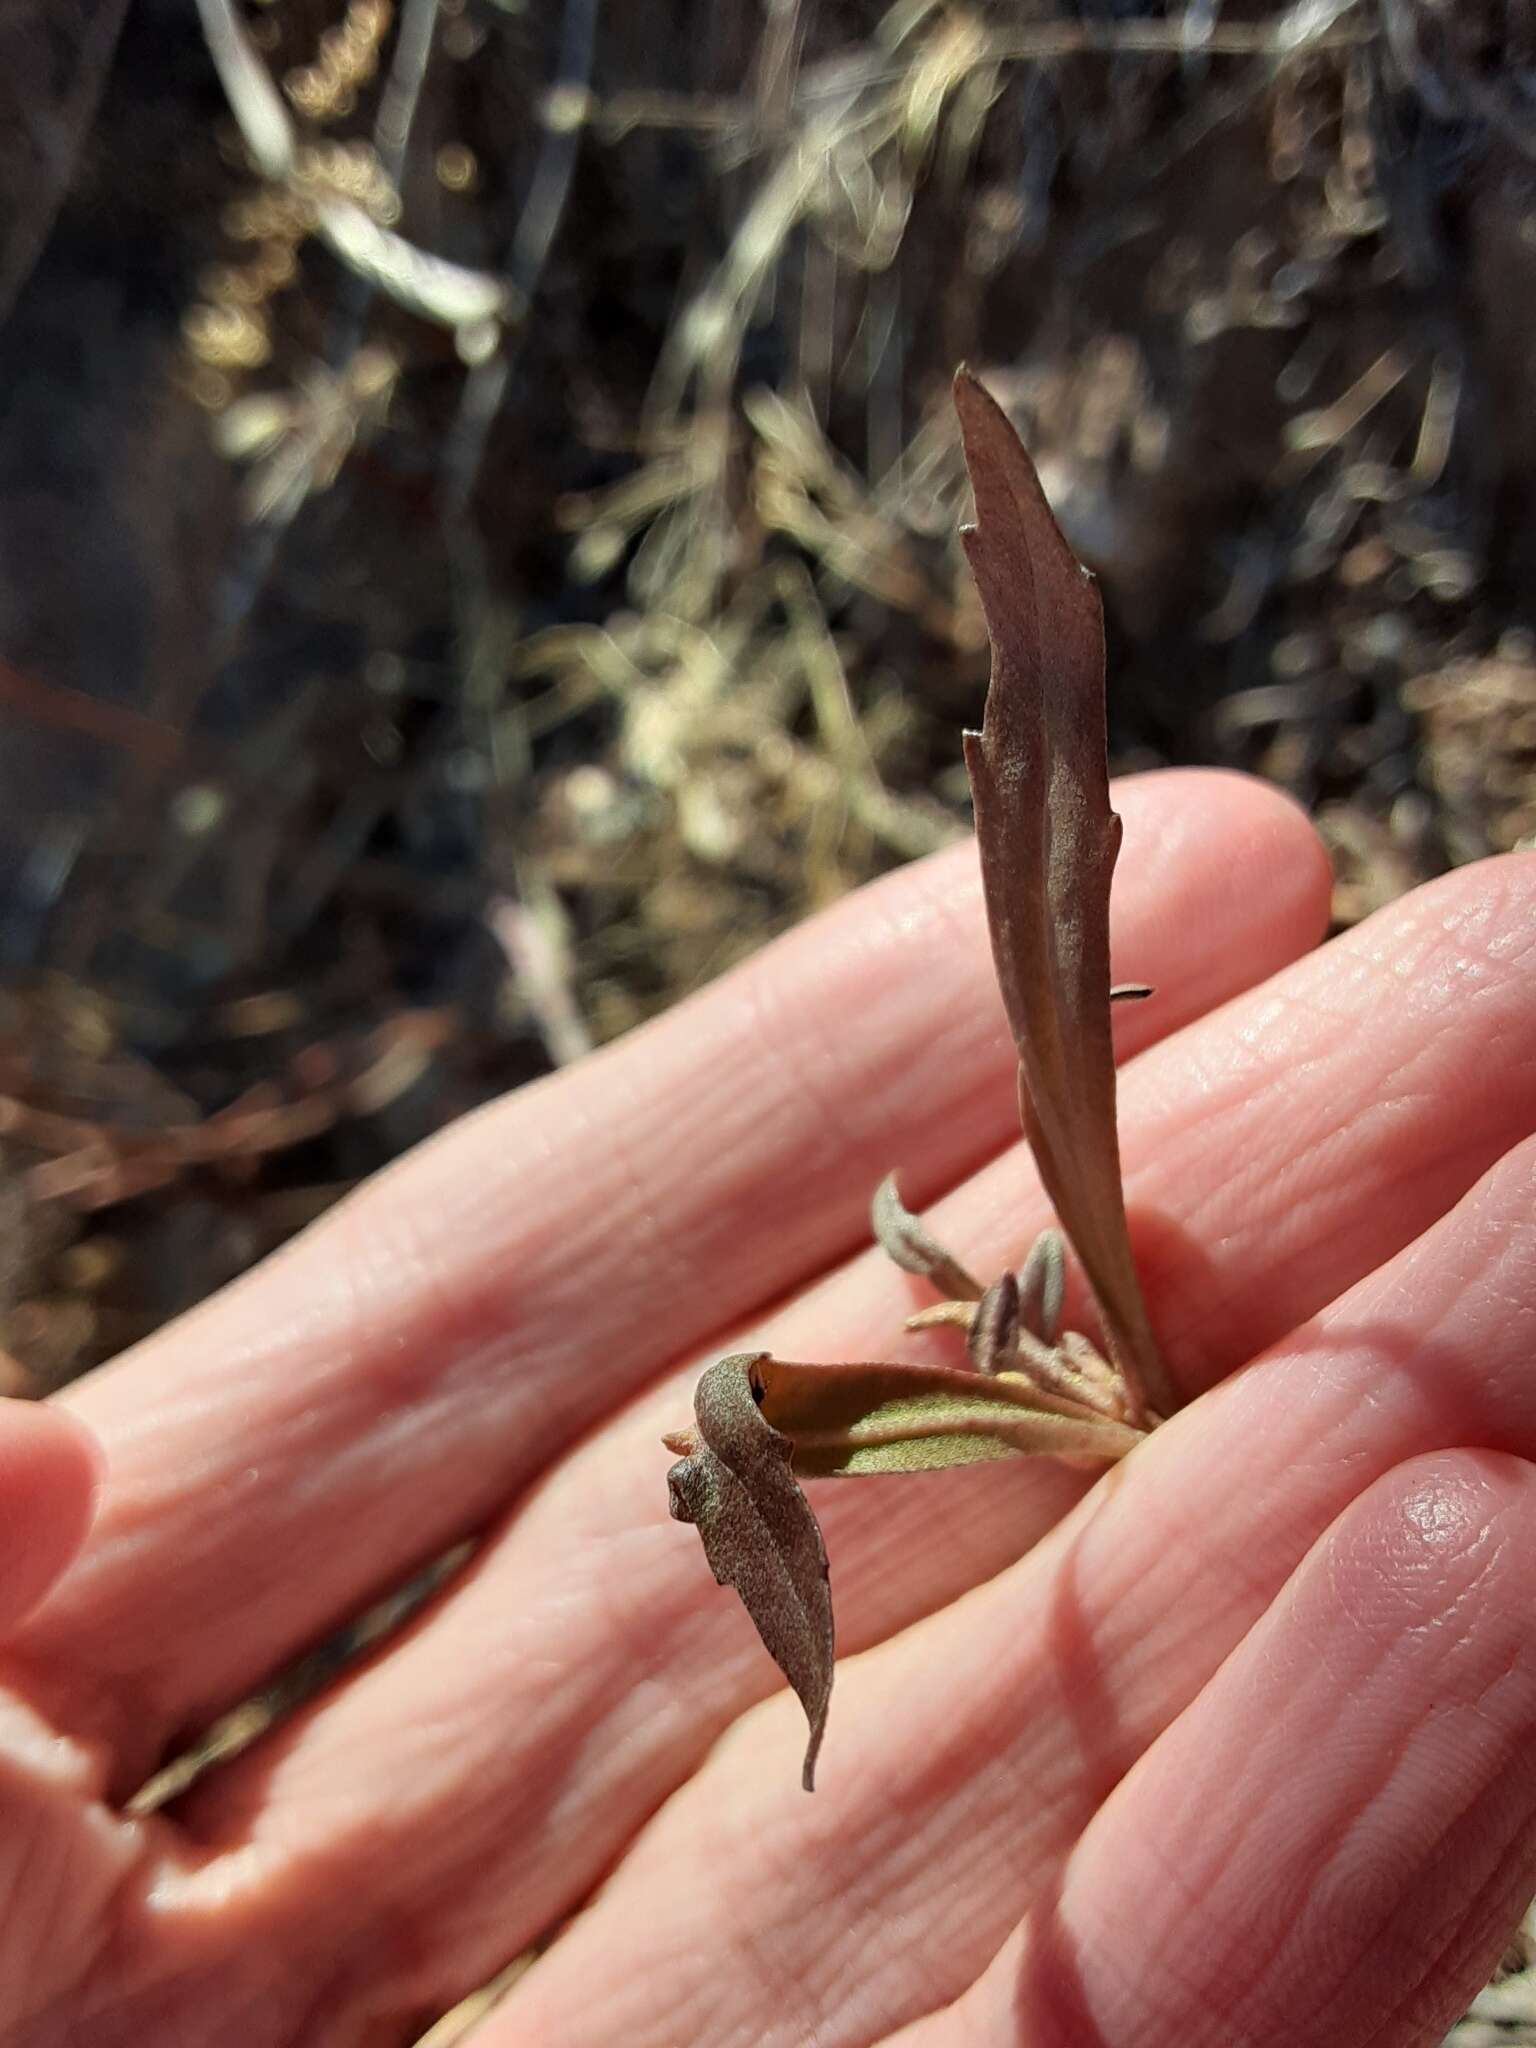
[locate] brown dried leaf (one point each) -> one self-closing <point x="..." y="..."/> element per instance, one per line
<point x="1040" y="778"/>
<point x="759" y="1534"/>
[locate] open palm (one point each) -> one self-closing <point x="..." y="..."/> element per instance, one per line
<point x="1237" y="1749"/>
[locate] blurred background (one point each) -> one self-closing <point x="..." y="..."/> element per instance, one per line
<point x="478" y="501"/>
<point x="477" y="524"/>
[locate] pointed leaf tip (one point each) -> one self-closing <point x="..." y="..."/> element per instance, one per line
<point x="1049" y="840"/>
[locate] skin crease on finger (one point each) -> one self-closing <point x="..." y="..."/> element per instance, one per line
<point x="465" y="1830"/>
<point x="636" y="1682"/>
<point x="158" y="1585"/>
<point x="404" y="1369"/>
<point x="967" y="1755"/>
<point x="1331" y="1843"/>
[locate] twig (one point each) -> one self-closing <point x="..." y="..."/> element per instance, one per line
<point x="63" y="709"/>
<point x="565" y="111"/>
<point x="402" y="89"/>
<point x="450" y="293"/>
<point x="532" y="930"/>
<point x="392" y="127"/>
<point x="564" y="117"/>
<point x="1307" y="28"/>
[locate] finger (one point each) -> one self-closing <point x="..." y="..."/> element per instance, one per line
<point x="49" y="1472"/>
<point x="593" y="1630"/>
<point x="381" y="1387"/>
<point x="1277" y="1152"/>
<point x="1335" y="1840"/>
<point x="966" y="1756"/>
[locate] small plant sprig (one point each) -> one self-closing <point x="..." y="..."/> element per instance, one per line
<point x="1048" y="841"/>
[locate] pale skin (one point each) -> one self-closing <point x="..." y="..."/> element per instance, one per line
<point x="1236" y="1749"/>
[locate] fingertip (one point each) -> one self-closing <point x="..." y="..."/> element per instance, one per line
<point x="51" y="1469"/>
<point x="1439" y="1527"/>
<point x="1209" y="851"/>
<point x="1339" y="1826"/>
<point x="1256" y="835"/>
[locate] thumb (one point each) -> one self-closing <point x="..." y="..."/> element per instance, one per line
<point x="50" y="1469"/>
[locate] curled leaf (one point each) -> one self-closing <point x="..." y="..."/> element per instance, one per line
<point x="759" y="1534"/>
<point x="1049" y="839"/>
<point x="902" y="1237"/>
<point x="853" y="1419"/>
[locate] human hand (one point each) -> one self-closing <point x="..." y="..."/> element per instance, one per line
<point x="1236" y="1751"/>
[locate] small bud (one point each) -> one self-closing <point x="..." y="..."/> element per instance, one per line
<point x="903" y="1238"/>
<point x="995" y="1330"/>
<point x="1042" y="1284"/>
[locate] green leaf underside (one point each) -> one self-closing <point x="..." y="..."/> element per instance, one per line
<point x="854" y="1419"/>
<point x="1049" y="840"/>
